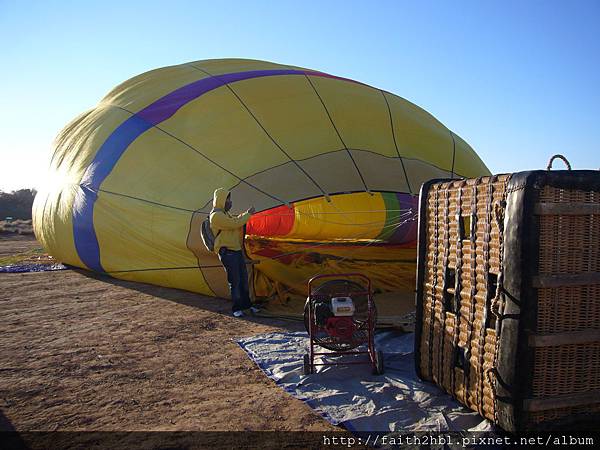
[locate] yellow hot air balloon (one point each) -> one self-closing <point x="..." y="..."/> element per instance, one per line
<point x="332" y="165"/>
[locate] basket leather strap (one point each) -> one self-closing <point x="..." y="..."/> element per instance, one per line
<point x="497" y="304"/>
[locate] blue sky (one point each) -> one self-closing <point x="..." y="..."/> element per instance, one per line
<point x="518" y="80"/>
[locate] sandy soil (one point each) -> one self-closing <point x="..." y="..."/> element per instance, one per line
<point x="83" y="352"/>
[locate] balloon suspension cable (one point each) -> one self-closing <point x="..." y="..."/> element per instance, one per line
<point x="375" y="223"/>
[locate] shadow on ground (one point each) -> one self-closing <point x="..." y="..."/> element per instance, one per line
<point x="10" y="438"/>
<point x="5" y="423"/>
<point x="212" y="304"/>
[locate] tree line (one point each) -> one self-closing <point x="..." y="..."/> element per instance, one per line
<point x="16" y="204"/>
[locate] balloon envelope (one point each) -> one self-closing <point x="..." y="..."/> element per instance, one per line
<point x="332" y="165"/>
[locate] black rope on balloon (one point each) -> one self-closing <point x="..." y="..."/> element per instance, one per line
<point x="203" y="155"/>
<point x="276" y="214"/>
<point x="109" y="272"/>
<point x="149" y="201"/>
<point x="394" y="137"/>
<point x="453" y="152"/>
<point x="308" y="215"/>
<point x="338" y="133"/>
<point x="360" y="246"/>
<point x="266" y="131"/>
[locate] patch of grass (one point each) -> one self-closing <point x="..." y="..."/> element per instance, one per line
<point x="33" y="256"/>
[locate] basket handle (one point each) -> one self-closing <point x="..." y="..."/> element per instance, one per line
<point x="561" y="157"/>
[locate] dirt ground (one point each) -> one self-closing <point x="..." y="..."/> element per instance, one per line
<point x="14" y="244"/>
<point x="85" y="352"/>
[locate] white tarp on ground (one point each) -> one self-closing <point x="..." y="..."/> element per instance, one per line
<point x="351" y="396"/>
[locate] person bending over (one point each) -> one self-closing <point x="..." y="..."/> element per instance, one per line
<point x="228" y="231"/>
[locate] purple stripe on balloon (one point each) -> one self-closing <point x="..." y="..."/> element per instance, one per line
<point x="407" y="232"/>
<point x="168" y="105"/>
<point x="84" y="233"/>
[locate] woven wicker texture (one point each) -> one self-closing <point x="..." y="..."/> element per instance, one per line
<point x="566" y="369"/>
<point x="577" y="412"/>
<point x="569" y="244"/>
<point x="464" y="241"/>
<point x="463" y="262"/>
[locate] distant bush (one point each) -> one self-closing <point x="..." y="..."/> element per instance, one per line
<point x="16" y="226"/>
<point x="16" y="204"/>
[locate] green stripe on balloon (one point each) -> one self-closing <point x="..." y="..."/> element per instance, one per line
<point x="392" y="215"/>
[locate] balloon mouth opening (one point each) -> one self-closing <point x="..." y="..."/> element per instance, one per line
<point x="374" y="234"/>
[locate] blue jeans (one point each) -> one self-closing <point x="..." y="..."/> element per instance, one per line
<point x="237" y="277"/>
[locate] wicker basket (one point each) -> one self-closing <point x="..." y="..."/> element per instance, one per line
<point x="508" y="296"/>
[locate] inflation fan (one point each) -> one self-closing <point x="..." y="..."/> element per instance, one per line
<point x="340" y="316"/>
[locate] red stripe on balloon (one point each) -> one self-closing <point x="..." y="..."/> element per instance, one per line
<point x="278" y="221"/>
